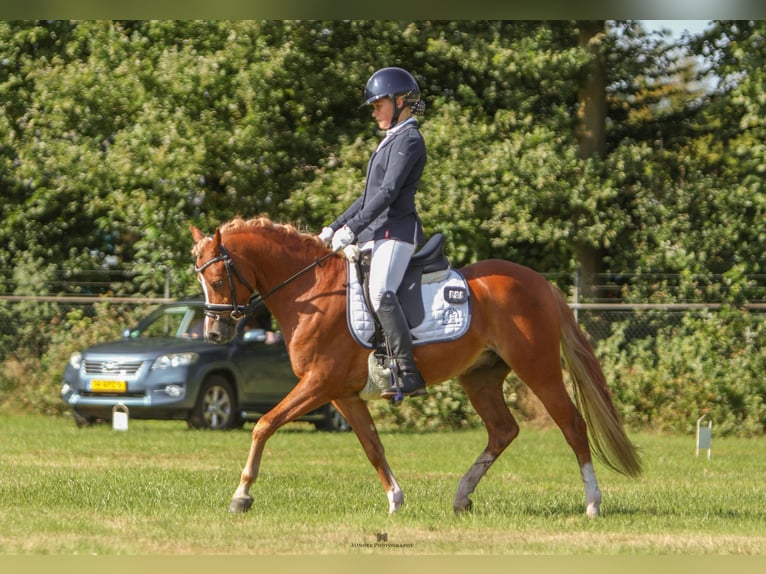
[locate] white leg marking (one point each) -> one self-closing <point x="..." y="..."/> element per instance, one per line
<point x="395" y="494"/>
<point x="395" y="499"/>
<point x="592" y="493"/>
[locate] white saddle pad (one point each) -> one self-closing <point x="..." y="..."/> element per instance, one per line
<point x="444" y="321"/>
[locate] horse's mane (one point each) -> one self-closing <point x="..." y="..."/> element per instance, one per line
<point x="239" y="224"/>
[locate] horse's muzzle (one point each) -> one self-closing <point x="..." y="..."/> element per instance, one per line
<point x="216" y="338"/>
<point x="219" y="331"/>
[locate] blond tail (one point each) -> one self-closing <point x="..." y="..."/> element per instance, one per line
<point x="607" y="437"/>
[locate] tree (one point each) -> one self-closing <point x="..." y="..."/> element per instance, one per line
<point x="115" y="136"/>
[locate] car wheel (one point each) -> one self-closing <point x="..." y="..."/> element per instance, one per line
<point x="332" y="421"/>
<point x="216" y="406"/>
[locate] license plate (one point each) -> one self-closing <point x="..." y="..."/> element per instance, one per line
<point x="99" y="386"/>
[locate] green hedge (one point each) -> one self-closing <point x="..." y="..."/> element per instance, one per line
<point x="709" y="362"/>
<point x="33" y="368"/>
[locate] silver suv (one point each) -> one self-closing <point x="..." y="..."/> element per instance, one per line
<point x="163" y="369"/>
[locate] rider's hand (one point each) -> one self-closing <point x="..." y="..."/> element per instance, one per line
<point x="344" y="236"/>
<point x="326" y="235"/>
<point x="351" y="252"/>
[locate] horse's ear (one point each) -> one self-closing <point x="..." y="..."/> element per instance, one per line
<point x="217" y="238"/>
<point x="197" y="235"/>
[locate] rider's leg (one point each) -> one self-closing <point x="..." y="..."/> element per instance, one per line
<point x="387" y="267"/>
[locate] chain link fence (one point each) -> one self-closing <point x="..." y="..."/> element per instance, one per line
<point x="27" y="324"/>
<point x="26" y="321"/>
<point x="641" y="321"/>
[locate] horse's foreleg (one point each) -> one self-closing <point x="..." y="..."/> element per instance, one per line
<point x="358" y="416"/>
<point x="241" y="501"/>
<point x="484" y="387"/>
<point x="298" y="402"/>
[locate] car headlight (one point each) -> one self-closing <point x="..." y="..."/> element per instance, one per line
<point x="174" y="360"/>
<point x="75" y="360"/>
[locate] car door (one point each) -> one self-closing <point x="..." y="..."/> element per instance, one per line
<point x="264" y="367"/>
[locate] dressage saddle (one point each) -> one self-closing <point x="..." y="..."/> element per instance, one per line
<point x="428" y="264"/>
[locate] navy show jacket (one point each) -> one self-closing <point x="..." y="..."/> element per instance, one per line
<point x="386" y="209"/>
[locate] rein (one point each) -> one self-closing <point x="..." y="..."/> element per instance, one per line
<point x="237" y="312"/>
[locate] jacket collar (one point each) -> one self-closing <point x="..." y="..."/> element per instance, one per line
<point x="397" y="127"/>
<point x="409" y="122"/>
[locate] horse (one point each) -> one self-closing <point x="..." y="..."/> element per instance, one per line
<point x="520" y="322"/>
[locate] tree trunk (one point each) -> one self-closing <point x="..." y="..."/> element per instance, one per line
<point x="591" y="135"/>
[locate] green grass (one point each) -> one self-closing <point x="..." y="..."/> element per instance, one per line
<point x="162" y="489"/>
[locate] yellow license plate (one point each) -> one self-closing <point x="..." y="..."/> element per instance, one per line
<point x="99" y="386"/>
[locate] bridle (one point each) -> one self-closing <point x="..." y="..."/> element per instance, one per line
<point x="236" y="311"/>
<point x="214" y="310"/>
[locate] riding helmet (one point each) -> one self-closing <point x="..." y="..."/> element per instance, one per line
<point x="391" y="82"/>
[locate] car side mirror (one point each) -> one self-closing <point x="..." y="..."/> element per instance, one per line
<point x="254" y="336"/>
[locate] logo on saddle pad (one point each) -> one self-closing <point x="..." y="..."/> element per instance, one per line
<point x="434" y="298"/>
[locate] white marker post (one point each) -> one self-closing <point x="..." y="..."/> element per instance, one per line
<point x="120" y="417"/>
<point x="704" y="436"/>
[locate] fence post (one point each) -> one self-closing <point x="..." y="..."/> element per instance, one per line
<point x="576" y="293"/>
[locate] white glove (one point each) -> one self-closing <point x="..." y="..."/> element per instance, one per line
<point x="326" y="235"/>
<point x="351" y="252"/>
<point x="344" y="236"/>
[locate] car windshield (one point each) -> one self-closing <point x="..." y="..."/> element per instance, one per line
<point x="173" y="321"/>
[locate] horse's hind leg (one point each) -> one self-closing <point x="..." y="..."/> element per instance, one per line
<point x="356" y="413"/>
<point x="544" y="378"/>
<point x="484" y="387"/>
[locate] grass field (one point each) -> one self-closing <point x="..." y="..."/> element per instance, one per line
<point x="160" y="489"/>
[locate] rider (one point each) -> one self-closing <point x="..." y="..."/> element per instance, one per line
<point x="384" y="219"/>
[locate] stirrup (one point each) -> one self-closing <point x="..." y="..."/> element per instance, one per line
<point x="405" y="385"/>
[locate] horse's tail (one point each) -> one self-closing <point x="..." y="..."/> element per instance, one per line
<point x="607" y="437"/>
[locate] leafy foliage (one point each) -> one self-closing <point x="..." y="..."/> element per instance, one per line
<point x="116" y="136"/>
<point x="30" y="380"/>
<point x="711" y="363"/>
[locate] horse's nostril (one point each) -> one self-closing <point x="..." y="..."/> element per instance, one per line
<point x="217" y="337"/>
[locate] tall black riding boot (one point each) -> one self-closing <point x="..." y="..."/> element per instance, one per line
<point x="394" y="325"/>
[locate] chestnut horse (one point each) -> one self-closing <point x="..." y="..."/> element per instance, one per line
<point x="520" y="322"/>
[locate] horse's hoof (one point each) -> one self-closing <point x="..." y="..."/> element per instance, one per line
<point x="240" y="505"/>
<point x="592" y="511"/>
<point x="464" y="506"/>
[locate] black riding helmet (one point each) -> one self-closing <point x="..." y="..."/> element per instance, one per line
<point x="390" y="83"/>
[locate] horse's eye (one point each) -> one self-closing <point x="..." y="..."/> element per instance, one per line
<point x="217" y="284"/>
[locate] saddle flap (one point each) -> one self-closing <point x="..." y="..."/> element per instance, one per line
<point x="411" y="297"/>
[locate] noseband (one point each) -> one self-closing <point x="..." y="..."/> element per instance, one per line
<point x="214" y="310"/>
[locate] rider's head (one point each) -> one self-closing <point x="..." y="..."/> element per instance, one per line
<point x="399" y="87"/>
